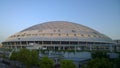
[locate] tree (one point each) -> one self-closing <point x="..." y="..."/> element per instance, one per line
<point x="14" y="56"/>
<point x="116" y="62"/>
<point x="99" y="54"/>
<point x="99" y="63"/>
<point x="34" y="57"/>
<point x="67" y="64"/>
<point x="26" y="56"/>
<point x="46" y="62"/>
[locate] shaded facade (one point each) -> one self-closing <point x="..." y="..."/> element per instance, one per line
<point x="117" y="46"/>
<point x="60" y="35"/>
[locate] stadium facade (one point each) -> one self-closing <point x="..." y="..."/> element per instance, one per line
<point x="60" y="35"/>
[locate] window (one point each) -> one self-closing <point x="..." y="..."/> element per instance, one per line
<point x="94" y="32"/>
<point x="40" y="31"/>
<point x="18" y="35"/>
<point x="34" y="34"/>
<point x="59" y="34"/>
<point x="82" y="35"/>
<point x="74" y="34"/>
<point x="73" y="31"/>
<point x="89" y="36"/>
<point x="99" y="36"/>
<point x="55" y="27"/>
<point x="43" y="34"/>
<point x="94" y="35"/>
<point x="54" y="30"/>
<point x="22" y="35"/>
<point x="58" y="30"/>
<point x="28" y="34"/>
<point x="67" y="35"/>
<point x="51" y="34"/>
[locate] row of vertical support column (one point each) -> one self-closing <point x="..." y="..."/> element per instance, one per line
<point x="61" y="46"/>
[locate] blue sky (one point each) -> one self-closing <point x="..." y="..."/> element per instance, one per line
<point x="101" y="15"/>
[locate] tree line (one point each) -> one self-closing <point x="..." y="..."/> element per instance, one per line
<point x="31" y="58"/>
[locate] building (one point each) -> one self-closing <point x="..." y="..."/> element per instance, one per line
<point x="0" y="45"/>
<point x="117" y="47"/>
<point x="60" y="35"/>
<point x="117" y="41"/>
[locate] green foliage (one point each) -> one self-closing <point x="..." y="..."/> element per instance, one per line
<point x="34" y="57"/>
<point x="46" y="62"/>
<point x="99" y="54"/>
<point x="2" y="56"/>
<point x="99" y="63"/>
<point x="26" y="56"/>
<point x="67" y="64"/>
<point x="116" y="62"/>
<point x="14" y="56"/>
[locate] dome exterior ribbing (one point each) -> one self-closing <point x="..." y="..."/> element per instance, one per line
<point x="59" y="31"/>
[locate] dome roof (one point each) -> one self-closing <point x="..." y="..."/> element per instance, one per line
<point x="61" y="25"/>
<point x="59" y="31"/>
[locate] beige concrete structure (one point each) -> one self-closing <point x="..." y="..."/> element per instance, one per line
<point x="60" y="35"/>
<point x="0" y="45"/>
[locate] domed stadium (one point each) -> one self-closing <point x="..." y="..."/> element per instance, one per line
<point x="59" y="35"/>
